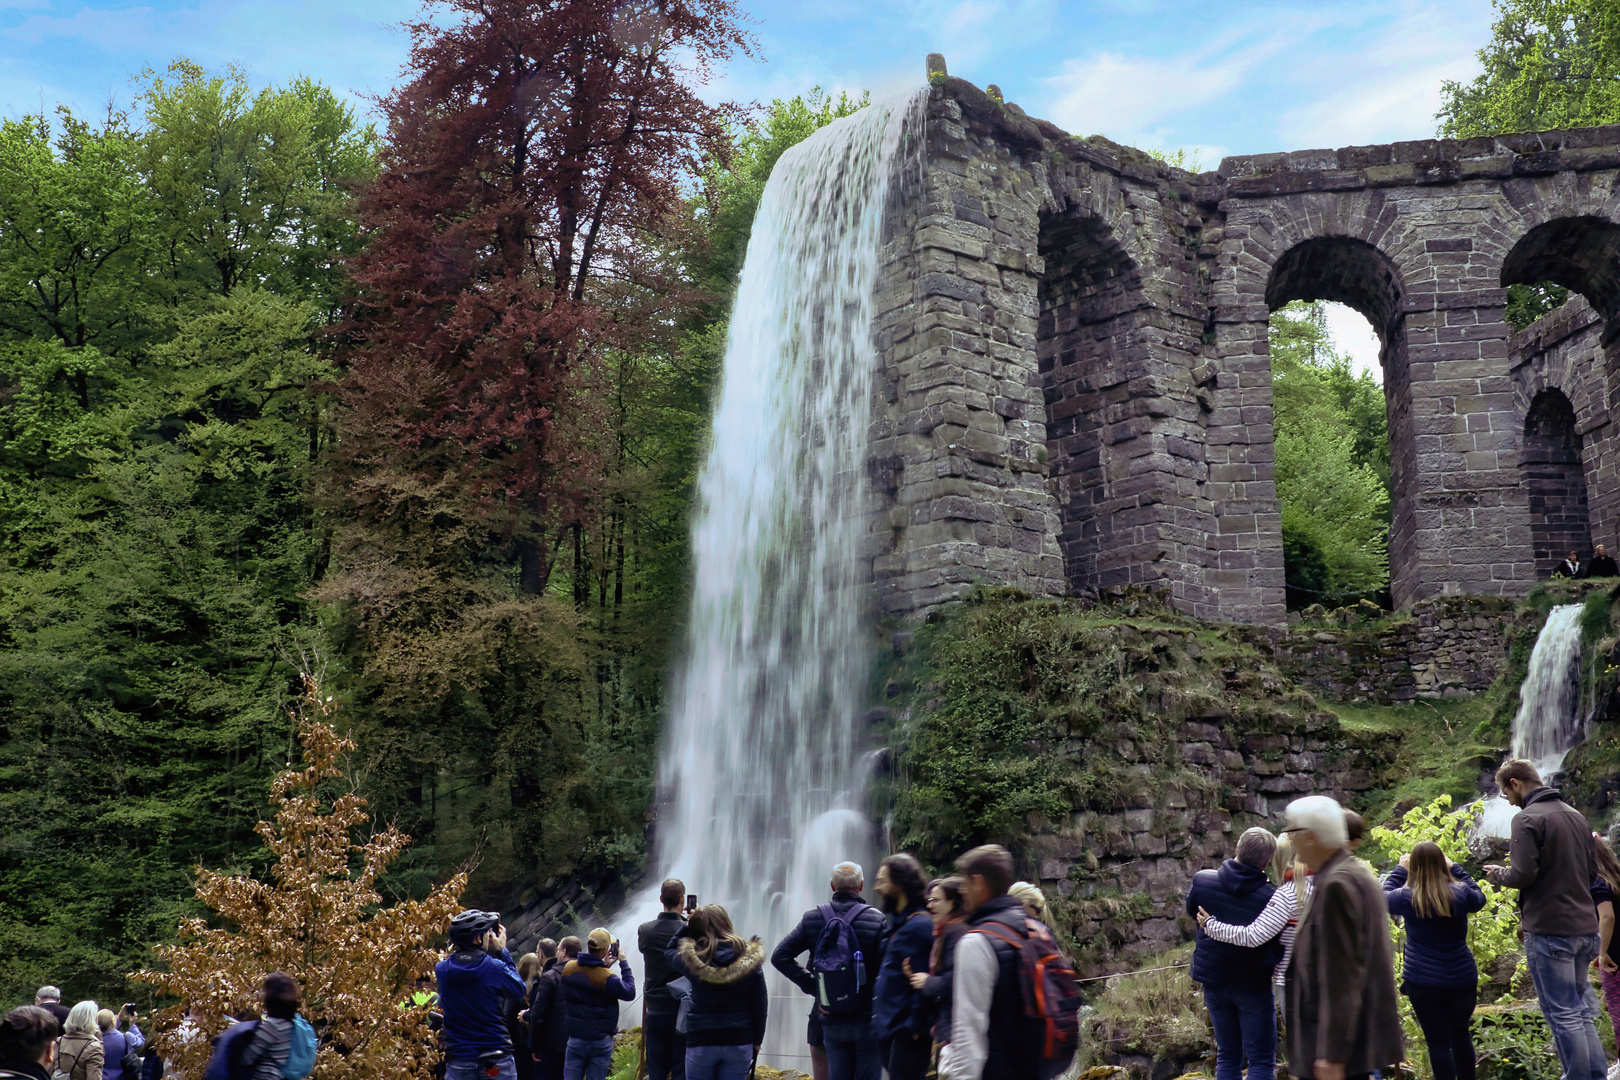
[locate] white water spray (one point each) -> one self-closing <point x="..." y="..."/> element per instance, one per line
<point x="761" y="775"/>
<point x="1550" y="720"/>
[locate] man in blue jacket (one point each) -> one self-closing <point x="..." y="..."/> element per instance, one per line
<point x="1236" y="979"/>
<point x="853" y="1052"/>
<point x="473" y="979"/>
<point x="898" y="1012"/>
<point x="592" y="993"/>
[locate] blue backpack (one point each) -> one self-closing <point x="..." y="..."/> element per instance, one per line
<point x="837" y="964"/>
<point x="226" y="1064"/>
<point x="300" y="1051"/>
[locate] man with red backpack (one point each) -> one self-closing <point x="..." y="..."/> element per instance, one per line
<point x="1014" y="998"/>
<point x="845" y="940"/>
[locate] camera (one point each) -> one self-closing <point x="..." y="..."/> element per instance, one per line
<point x="691" y="903"/>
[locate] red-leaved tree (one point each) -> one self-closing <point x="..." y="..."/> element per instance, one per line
<point x="531" y="175"/>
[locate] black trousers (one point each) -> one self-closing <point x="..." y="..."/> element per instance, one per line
<point x="907" y="1056"/>
<point x="666" y="1047"/>
<point x="1444" y="1014"/>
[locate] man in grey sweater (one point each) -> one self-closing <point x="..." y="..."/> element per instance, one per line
<point x="1551" y="863"/>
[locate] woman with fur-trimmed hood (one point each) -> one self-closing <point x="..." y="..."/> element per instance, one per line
<point x="725" y="1023"/>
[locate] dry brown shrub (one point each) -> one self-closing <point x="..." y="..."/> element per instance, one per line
<point x="320" y="919"/>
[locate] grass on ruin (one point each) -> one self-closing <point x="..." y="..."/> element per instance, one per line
<point x="1439" y="753"/>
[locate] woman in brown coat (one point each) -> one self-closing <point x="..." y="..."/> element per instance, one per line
<point x="79" y="1055"/>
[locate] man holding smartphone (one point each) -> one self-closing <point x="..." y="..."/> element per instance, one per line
<point x="592" y="992"/>
<point x="473" y="979"/>
<point x="666" y="1047"/>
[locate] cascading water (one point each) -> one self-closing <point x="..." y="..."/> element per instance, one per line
<point x="761" y="776"/>
<point x="1550" y="720"/>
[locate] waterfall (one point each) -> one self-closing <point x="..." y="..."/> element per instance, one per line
<point x="761" y="784"/>
<point x="1550" y="720"/>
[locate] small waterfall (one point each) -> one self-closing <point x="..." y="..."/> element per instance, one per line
<point x="762" y="779"/>
<point x="1550" y="720"/>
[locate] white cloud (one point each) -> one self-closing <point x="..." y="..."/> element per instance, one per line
<point x="1125" y="96"/>
<point x="1390" y="89"/>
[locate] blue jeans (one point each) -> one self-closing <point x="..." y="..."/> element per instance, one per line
<point x="666" y="1047"/>
<point x="505" y="1069"/>
<point x="1558" y="967"/>
<point x="718" y="1062"/>
<point x="1245" y="1023"/>
<point x="853" y="1052"/>
<point x="588" y="1059"/>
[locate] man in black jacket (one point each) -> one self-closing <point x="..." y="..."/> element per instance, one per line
<point x="852" y="1046"/>
<point x="1601" y="565"/>
<point x="987" y="1003"/>
<point x="666" y="1047"/>
<point x="548" y="1014"/>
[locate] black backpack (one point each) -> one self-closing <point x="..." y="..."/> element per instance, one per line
<point x="1049" y="993"/>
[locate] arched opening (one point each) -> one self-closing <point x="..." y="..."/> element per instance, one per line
<point x="1343" y="444"/>
<point x="1550" y="468"/>
<point x="1089" y="298"/>
<point x="1579" y="253"/>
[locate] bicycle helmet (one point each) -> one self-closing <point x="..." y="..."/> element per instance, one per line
<point x="470" y="926"/>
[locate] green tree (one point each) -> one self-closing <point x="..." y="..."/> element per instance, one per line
<point x="157" y="435"/>
<point x="1332" y="463"/>
<point x="251" y="187"/>
<point x="1549" y="64"/>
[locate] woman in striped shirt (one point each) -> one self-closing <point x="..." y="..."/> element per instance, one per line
<point x="1280" y="916"/>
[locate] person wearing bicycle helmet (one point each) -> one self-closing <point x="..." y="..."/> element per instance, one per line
<point x="473" y="980"/>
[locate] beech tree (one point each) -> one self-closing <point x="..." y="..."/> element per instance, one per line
<point x="531" y="160"/>
<point x="320" y="919"/>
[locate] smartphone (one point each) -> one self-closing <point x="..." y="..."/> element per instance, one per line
<point x="691" y="902"/>
<point x="129" y="1007"/>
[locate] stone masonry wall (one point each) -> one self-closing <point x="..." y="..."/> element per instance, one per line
<point x="1074" y="339"/>
<point x="1121" y="876"/>
<point x="1445" y="647"/>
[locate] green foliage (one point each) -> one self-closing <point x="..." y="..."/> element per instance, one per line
<point x="1511" y="1043"/>
<point x="251" y="187"/>
<point x="1332" y="469"/>
<point x="1527" y="303"/>
<point x="157" y="437"/>
<point x="1549" y="64"/>
<point x="1159" y="1015"/>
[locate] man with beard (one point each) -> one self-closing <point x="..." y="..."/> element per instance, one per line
<point x="898" y="1012"/>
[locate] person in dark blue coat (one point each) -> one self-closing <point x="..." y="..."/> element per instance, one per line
<point x="1435" y="896"/>
<point x="852" y="1048"/>
<point x="899" y="1013"/>
<point x="473" y="981"/>
<point x="725" y="1021"/>
<point x="592" y="993"/>
<point x="1237" y="979"/>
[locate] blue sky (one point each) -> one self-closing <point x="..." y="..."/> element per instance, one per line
<point x="1211" y="77"/>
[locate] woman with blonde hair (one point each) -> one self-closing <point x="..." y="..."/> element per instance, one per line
<point x="1435" y="896"/>
<point x="1031" y="896"/>
<point x="79" y="1055"/>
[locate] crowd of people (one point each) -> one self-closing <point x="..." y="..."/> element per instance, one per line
<point x="960" y="975"/>
<point x="935" y="965"/>
<point x="49" y="1041"/>
<point x="1313" y="937"/>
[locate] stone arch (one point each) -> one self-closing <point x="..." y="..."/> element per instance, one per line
<point x="1090" y="299"/>
<point x="1581" y="253"/>
<point x="1350" y="271"/>
<point x="1550" y="469"/>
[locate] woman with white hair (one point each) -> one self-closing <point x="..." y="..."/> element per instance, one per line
<point x="1279" y="920"/>
<point x="79" y="1055"/>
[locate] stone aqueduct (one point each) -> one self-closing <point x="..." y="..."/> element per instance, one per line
<point x="1075" y="389"/>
